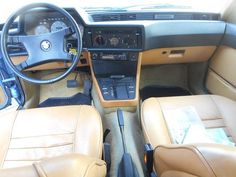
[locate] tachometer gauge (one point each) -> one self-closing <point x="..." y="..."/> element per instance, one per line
<point x="58" y="25"/>
<point x="41" y="29"/>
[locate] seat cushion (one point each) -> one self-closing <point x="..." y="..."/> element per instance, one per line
<point x="214" y="111"/>
<point x="70" y="165"/>
<point x="32" y="135"/>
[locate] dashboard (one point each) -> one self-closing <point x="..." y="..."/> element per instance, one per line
<point x="128" y="35"/>
<point x="116" y="45"/>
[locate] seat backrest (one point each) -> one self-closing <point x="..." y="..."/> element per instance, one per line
<point x="199" y="160"/>
<point x="70" y="165"/>
<point x="32" y="135"/>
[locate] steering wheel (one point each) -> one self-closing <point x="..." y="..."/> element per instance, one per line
<point x="42" y="48"/>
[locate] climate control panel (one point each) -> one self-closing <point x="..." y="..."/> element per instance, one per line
<point x="110" y="38"/>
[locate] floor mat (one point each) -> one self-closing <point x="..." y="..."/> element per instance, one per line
<point x="77" y="99"/>
<point x="60" y="89"/>
<point x="162" y="91"/>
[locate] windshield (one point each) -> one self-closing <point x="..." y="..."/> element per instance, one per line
<point x="10" y="6"/>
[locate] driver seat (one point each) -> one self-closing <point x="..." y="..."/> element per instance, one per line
<point x="30" y="136"/>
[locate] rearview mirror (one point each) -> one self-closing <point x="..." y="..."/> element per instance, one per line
<point x="4" y="99"/>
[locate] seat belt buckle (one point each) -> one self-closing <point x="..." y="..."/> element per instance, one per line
<point x="148" y="159"/>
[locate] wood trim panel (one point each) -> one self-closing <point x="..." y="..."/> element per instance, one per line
<point x="54" y="65"/>
<point x="177" y="55"/>
<point x="118" y="103"/>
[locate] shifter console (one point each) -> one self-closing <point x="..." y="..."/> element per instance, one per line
<point x="116" y="74"/>
<point x="117" y="88"/>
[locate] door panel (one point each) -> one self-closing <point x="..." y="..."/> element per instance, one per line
<point x="219" y="86"/>
<point x="221" y="78"/>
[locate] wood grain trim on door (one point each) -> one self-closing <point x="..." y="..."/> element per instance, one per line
<point x="118" y="103"/>
<point x="177" y="55"/>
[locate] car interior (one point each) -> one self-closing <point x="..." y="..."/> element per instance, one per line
<point x="141" y="91"/>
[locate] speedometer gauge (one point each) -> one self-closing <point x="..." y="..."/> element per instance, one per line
<point x="41" y="29"/>
<point x="58" y="25"/>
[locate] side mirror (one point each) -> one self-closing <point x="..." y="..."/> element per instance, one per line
<point x="4" y="98"/>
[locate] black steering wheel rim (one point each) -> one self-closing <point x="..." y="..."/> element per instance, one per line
<point x="4" y="38"/>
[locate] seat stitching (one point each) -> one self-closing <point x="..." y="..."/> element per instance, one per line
<point x="212" y="119"/>
<point x="10" y="137"/>
<point x="76" y="125"/>
<point x="65" y="144"/>
<point x="191" y="148"/>
<point x="219" y="112"/>
<point x="171" y="140"/>
<point x="228" y="128"/>
<point x="216" y="105"/>
<point x="204" y="159"/>
<point x="92" y="165"/>
<point x="143" y="123"/>
<point x="39" y="170"/>
<point x="101" y="137"/>
<point x="37" y="136"/>
<point x="26" y="160"/>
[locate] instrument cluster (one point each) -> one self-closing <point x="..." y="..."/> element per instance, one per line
<point x="45" y="22"/>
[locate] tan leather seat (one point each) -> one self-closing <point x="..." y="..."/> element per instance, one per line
<point x="190" y="160"/>
<point x="32" y="135"/>
<point x="214" y="111"/>
<point x="199" y="160"/>
<point x="70" y="165"/>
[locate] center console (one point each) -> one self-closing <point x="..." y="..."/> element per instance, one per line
<point x="116" y="74"/>
<point x="115" y="65"/>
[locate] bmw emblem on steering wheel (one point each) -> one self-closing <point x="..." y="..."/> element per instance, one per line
<point x="45" y="45"/>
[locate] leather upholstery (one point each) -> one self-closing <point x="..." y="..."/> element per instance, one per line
<point x="70" y="165"/>
<point x="198" y="160"/>
<point x="202" y="160"/>
<point x="215" y="112"/>
<point x="32" y="135"/>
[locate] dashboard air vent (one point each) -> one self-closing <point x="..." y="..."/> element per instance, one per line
<point x="113" y="17"/>
<point x="154" y="16"/>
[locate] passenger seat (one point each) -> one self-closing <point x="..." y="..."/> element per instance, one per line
<point x="193" y="159"/>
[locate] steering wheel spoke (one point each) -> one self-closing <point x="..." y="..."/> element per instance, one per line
<point x="14" y="39"/>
